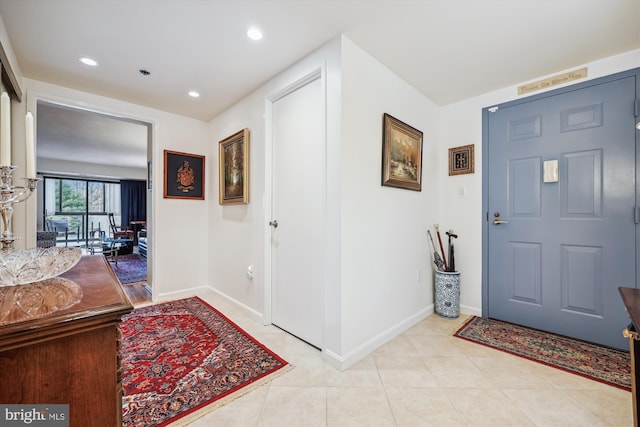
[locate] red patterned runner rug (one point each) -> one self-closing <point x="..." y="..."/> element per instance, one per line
<point x="179" y="357"/>
<point x="596" y="362"/>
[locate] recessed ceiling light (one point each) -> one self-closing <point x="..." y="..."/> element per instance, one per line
<point x="194" y="94"/>
<point x="88" y="61"/>
<point x="254" y="33"/>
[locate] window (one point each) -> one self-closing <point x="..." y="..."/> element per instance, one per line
<point x="81" y="205"/>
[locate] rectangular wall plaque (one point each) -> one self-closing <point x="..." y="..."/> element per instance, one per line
<point x="553" y="81"/>
<point x="550" y="171"/>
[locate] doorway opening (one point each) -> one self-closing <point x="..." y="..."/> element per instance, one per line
<point x="89" y="162"/>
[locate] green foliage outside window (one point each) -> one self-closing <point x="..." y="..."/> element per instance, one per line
<point x="73" y="196"/>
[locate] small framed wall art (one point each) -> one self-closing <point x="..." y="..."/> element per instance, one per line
<point x="183" y="175"/>
<point x="461" y="160"/>
<point x="401" y="155"/>
<point x="233" y="159"/>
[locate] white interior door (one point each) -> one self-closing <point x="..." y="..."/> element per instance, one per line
<point x="297" y="263"/>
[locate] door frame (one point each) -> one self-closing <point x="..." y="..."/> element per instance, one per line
<point x="485" y="165"/>
<point x="315" y="74"/>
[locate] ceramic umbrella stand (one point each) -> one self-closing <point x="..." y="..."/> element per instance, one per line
<point x="447" y="289"/>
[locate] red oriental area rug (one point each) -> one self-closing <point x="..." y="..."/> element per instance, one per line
<point x="180" y="357"/>
<point x="596" y="362"/>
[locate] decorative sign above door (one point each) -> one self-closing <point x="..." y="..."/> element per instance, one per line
<point x="553" y="81"/>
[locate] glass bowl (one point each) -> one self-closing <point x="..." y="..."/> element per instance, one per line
<point x="22" y="266"/>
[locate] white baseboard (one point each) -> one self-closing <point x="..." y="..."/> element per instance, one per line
<point x="250" y="311"/>
<point x="345" y="362"/>
<point x="183" y="293"/>
<point x="465" y="309"/>
<point x="201" y="291"/>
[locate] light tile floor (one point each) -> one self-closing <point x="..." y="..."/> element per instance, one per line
<point x="424" y="377"/>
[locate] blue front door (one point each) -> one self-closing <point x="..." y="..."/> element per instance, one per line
<point x="561" y="194"/>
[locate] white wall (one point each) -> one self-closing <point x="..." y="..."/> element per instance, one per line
<point x="239" y="233"/>
<point x="236" y="231"/>
<point x="178" y="233"/>
<point x="376" y="236"/>
<point x="461" y="124"/>
<point x="386" y="268"/>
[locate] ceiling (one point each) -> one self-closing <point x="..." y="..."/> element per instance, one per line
<point x="71" y="134"/>
<point x="449" y="50"/>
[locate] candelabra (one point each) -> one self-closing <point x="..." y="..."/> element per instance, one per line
<point x="10" y="194"/>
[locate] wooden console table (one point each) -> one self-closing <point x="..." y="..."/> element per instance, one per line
<point x="71" y="356"/>
<point x="631" y="299"/>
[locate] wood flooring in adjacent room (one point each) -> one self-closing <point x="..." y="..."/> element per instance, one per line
<point x="138" y="293"/>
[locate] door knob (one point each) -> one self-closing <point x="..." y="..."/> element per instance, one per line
<point x="497" y="221"/>
<point x="273" y="223"/>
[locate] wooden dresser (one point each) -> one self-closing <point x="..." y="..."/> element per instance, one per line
<point x="631" y="300"/>
<point x="71" y="356"/>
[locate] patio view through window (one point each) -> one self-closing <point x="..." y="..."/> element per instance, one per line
<point x="77" y="209"/>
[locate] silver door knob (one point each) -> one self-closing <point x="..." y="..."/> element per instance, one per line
<point x="499" y="221"/>
<point x="273" y="223"/>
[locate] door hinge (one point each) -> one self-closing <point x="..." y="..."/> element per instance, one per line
<point x="636" y="108"/>
<point x="636" y="215"/>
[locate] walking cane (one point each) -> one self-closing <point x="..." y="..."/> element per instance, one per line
<point x="444" y="258"/>
<point x="452" y="262"/>
<point x="436" y="256"/>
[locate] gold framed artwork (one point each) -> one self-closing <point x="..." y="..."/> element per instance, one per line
<point x="401" y="155"/>
<point x="233" y="159"/>
<point x="461" y="160"/>
<point x="183" y="175"/>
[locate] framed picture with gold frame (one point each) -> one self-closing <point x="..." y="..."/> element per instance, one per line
<point x="461" y="160"/>
<point x="401" y="155"/>
<point x="233" y="159"/>
<point x="183" y="175"/>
